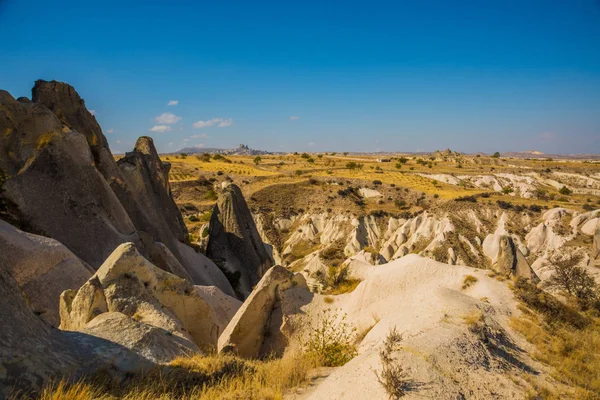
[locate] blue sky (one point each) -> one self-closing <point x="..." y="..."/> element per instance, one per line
<point x="320" y="75"/>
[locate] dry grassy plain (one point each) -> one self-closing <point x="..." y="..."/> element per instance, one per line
<point x="295" y="169"/>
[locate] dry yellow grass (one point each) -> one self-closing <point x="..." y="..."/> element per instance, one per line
<point x="197" y="377"/>
<point x="284" y="168"/>
<point x="573" y="353"/>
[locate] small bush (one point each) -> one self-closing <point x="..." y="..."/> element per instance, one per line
<point x="505" y="205"/>
<point x="574" y="280"/>
<point x="565" y="191"/>
<point x="211" y="195"/>
<point x="330" y="341"/>
<point x="535" y="208"/>
<point x="470" y="199"/>
<point x="204" y="157"/>
<point x="400" y="203"/>
<point x="392" y="376"/>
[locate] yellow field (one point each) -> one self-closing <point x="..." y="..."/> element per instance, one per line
<point x="292" y="168"/>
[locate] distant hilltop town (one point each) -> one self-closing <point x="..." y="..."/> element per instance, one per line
<point x="241" y="150"/>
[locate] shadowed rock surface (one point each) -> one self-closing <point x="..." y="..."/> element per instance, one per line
<point x="234" y="242"/>
<point x="42" y="267"/>
<point x="154" y="210"/>
<point x="69" y="107"/>
<point x="60" y="194"/>
<point x="33" y="353"/>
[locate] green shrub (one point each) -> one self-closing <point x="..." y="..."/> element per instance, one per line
<point x="565" y="191"/>
<point x="211" y="195"/>
<point x="330" y="339"/>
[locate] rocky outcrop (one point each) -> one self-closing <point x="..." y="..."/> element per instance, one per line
<point x="158" y="220"/>
<point x="154" y="211"/>
<point x="43" y="269"/>
<point x="234" y="242"/>
<point x="25" y="126"/>
<point x="63" y="183"/>
<point x="506" y="257"/>
<point x="33" y="353"/>
<point x="127" y="283"/>
<point x="59" y="193"/>
<point x="69" y="107"/>
<point x="260" y="326"/>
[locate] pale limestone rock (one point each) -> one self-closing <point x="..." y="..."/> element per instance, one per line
<point x="154" y="344"/>
<point x="129" y="284"/>
<point x="252" y="325"/>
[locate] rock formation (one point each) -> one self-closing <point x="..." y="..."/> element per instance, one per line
<point x="234" y="242"/>
<point x="42" y="267"/>
<point x="127" y="283"/>
<point x="60" y="194"/>
<point x="63" y="183"/>
<point x="260" y="325"/>
<point x="506" y="257"/>
<point x="32" y="352"/>
<point x="69" y="107"/>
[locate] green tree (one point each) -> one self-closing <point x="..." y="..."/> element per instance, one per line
<point x="496" y="155"/>
<point x="351" y="165"/>
<point x="565" y="191"/>
<point x="257" y="160"/>
<point x="305" y="155"/>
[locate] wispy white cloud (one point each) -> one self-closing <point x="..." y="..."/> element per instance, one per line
<point x="199" y="146"/>
<point x="160" y="128"/>
<point x="118" y="142"/>
<point x="220" y="122"/>
<point x="225" y="123"/>
<point x="199" y="136"/>
<point x="167" y="118"/>
<point x="93" y="112"/>
<point x="171" y="144"/>
<point x="110" y="130"/>
<point x="311" y="143"/>
<point x="173" y="102"/>
<point x="294" y="117"/>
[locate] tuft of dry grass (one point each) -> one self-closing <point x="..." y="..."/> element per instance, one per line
<point x="469" y="281"/>
<point x="346" y="286"/>
<point x="473" y="319"/>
